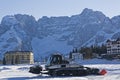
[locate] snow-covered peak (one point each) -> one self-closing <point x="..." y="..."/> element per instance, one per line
<point x="24" y="17"/>
<point x="9" y="20"/>
<point x="96" y="15"/>
<point x="87" y="11"/>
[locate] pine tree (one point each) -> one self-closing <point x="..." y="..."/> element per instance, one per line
<point x="4" y="61"/>
<point x="70" y="55"/>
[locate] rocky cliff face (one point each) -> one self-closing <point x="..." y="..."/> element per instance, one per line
<point x="56" y="34"/>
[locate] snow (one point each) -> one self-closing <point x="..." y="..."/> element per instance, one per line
<point x="51" y="46"/>
<point x="9" y="20"/>
<point x="98" y="61"/>
<point x="106" y="36"/>
<point x="21" y="72"/>
<point x="5" y="44"/>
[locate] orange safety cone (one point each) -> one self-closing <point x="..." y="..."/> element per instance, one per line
<point x="103" y="72"/>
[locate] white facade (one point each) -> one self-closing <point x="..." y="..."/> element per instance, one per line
<point x="19" y="57"/>
<point x="113" y="47"/>
<point x="77" y="56"/>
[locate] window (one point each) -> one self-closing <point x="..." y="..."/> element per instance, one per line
<point x="22" y="57"/>
<point x="28" y="57"/>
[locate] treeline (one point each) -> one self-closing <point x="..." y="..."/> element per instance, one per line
<point x="90" y="52"/>
<point x="94" y="49"/>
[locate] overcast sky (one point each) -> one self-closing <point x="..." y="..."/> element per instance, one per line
<point x="39" y="8"/>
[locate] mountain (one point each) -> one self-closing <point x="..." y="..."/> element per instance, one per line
<point x="56" y="34"/>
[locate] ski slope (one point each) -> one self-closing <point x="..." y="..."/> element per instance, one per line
<point x="20" y="72"/>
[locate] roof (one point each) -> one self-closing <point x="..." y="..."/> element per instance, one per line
<point x="118" y="39"/>
<point x="113" y="41"/>
<point x="9" y="52"/>
<point x="108" y="40"/>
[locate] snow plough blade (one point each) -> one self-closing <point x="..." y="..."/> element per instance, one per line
<point x="103" y="72"/>
<point x="35" y="69"/>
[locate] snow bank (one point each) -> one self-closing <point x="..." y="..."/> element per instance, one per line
<point x="21" y="72"/>
<point x="97" y="61"/>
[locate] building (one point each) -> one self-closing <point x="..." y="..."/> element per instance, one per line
<point x="0" y="61"/>
<point x="76" y="56"/>
<point x="113" y="47"/>
<point x="19" y="57"/>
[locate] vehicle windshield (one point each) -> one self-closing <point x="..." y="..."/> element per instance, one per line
<point x="48" y="61"/>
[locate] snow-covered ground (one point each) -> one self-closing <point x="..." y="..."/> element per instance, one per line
<point x="20" y="72"/>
